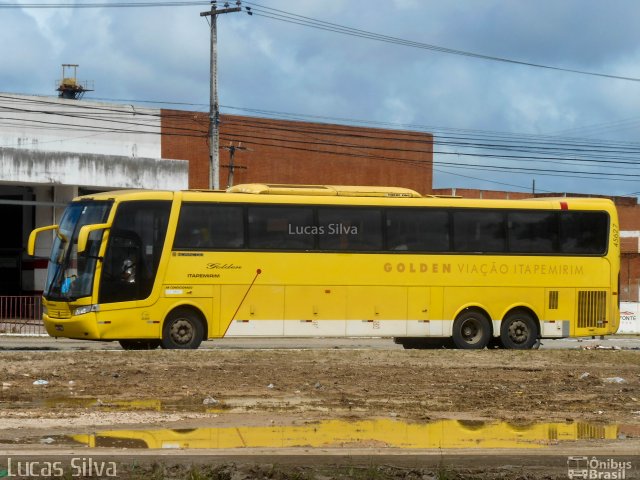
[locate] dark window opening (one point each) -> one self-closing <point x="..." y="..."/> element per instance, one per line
<point x="281" y="228"/>
<point x="350" y="229"/>
<point x="533" y="232"/>
<point x="206" y="226"/>
<point x="133" y="253"/>
<point x="203" y="226"/>
<point x="584" y="232"/>
<point x="418" y="230"/>
<point x="479" y="231"/>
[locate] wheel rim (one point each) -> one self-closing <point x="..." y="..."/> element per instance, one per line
<point x="182" y="331"/>
<point x="518" y="332"/>
<point x="471" y="330"/>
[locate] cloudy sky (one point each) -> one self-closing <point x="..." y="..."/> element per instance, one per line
<point x="498" y="124"/>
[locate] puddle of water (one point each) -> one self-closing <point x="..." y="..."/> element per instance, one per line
<point x="96" y="403"/>
<point x="381" y="433"/>
<point x="181" y="405"/>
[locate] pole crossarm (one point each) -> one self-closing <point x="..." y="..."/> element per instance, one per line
<point x="218" y="12"/>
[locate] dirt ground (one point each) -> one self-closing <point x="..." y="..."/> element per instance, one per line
<point x="87" y="391"/>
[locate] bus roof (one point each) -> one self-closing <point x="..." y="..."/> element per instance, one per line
<point x="347" y="195"/>
<point x="323" y="190"/>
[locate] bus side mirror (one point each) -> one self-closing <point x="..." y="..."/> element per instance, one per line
<point x="31" y="245"/>
<point x="85" y="231"/>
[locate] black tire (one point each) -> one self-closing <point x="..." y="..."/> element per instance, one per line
<point x="419" y="343"/>
<point x="495" y="344"/>
<point x="182" y="329"/>
<point x="519" y="331"/>
<point x="139" y="344"/>
<point x="471" y="330"/>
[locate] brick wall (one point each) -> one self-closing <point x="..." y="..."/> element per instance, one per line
<point x="629" y="277"/>
<point x="485" y="194"/>
<point x="281" y="151"/>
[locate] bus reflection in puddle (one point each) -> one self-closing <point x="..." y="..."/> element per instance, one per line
<point x="378" y="433"/>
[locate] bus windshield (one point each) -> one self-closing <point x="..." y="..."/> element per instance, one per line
<point x="69" y="275"/>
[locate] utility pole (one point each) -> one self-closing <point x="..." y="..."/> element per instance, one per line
<point x="232" y="151"/>
<point x="214" y="108"/>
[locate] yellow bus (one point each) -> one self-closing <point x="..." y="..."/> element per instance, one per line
<point x="380" y="432"/>
<point x="171" y="269"/>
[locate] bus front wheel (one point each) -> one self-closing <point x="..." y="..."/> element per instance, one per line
<point x="471" y="330"/>
<point x="182" y="330"/>
<point x="519" y="331"/>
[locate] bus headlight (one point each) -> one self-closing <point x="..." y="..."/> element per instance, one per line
<point x="85" y="309"/>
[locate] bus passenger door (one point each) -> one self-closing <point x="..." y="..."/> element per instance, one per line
<point x="128" y="273"/>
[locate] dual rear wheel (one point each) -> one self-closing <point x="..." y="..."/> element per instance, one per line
<point x="472" y="330"/>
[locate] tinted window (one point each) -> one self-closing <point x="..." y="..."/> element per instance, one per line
<point x="533" y="232"/>
<point x="418" y="230"/>
<point x="133" y="253"/>
<point x="358" y="229"/>
<point x="281" y="228"/>
<point x="584" y="232"/>
<point x="205" y="226"/>
<point x="478" y="231"/>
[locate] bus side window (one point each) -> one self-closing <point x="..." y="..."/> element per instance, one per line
<point x="584" y="232"/>
<point x="124" y="258"/>
<point x="281" y="227"/>
<point x="418" y="230"/>
<point x="479" y="231"/>
<point x="350" y="229"/>
<point x="133" y="251"/>
<point x="533" y="232"/>
<point x="208" y="226"/>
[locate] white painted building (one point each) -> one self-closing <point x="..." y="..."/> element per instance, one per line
<point x="52" y="150"/>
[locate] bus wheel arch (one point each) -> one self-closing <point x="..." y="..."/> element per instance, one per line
<point x="520" y="329"/>
<point x="184" y="327"/>
<point x="472" y="328"/>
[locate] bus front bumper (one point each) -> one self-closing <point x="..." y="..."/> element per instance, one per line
<point x="79" y="327"/>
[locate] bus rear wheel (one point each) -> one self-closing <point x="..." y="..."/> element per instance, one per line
<point x="182" y="330"/>
<point x="139" y="344"/>
<point x="471" y="330"/>
<point x="519" y="331"/>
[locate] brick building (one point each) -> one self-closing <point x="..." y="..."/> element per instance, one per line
<point x="284" y="151"/>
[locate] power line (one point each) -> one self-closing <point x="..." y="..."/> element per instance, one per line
<point x="292" y="18"/>
<point x="331" y="141"/>
<point x="341" y="140"/>
<point x="103" y="5"/>
<point x="288" y="17"/>
<point x="574" y="148"/>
